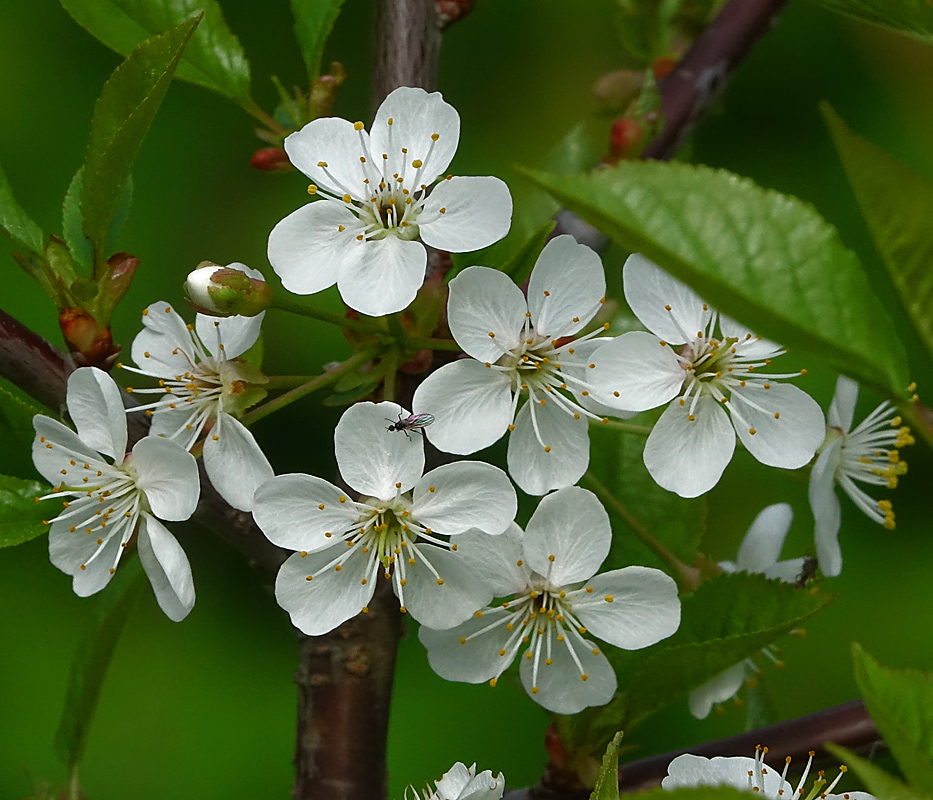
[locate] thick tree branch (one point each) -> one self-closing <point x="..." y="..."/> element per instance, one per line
<point x="407" y="46"/>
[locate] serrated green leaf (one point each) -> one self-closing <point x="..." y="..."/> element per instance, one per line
<point x="214" y="58"/>
<point x="91" y="659"/>
<point x="21" y="517"/>
<point x="82" y="251"/>
<point x="766" y="259"/>
<point x="314" y="20"/>
<point x="607" y="782"/>
<point x="901" y="704"/>
<point x="880" y="783"/>
<point x="16" y="222"/>
<point x="897" y="204"/>
<point x="911" y="17"/>
<point x="16" y="433"/>
<point x="645" y="27"/>
<point x="122" y="117"/>
<point x="120" y="214"/>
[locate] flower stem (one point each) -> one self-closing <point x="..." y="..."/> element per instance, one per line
<point x="284" y="381"/>
<point x="627" y="427"/>
<point x="361" y="326"/>
<point x="252" y="108"/>
<point x="687" y="577"/>
<point x="306" y="388"/>
<point x="432" y="344"/>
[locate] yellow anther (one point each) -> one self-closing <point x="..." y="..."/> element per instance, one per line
<point x="416" y="163"/>
<point x="752" y="431"/>
<point x="691" y="417"/>
<point x="358" y="126"/>
<point x="609" y="598"/>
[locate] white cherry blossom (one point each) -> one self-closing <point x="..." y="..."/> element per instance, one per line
<point x="108" y="496"/>
<point x="405" y="525"/>
<point x="758" y="554"/>
<point x="868" y="454"/>
<point x="462" y="783"/>
<point x="203" y="385"/>
<point x="712" y="381"/>
<point x="556" y="599"/>
<point x="522" y="349"/>
<point x="752" y="775"/>
<point x="378" y="207"/>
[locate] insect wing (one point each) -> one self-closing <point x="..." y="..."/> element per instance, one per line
<point x="419" y="420"/>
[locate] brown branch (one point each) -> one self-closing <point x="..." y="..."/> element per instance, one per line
<point x="407" y="46"/>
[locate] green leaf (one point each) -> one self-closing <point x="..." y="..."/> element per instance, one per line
<point x="82" y="251"/>
<point x="21" y="517"/>
<point x="766" y="259"/>
<point x="89" y="667"/>
<point x="214" y="59"/>
<point x="880" y="783"/>
<point x="901" y="704"/>
<point x="897" y="204"/>
<point x="519" y="266"/>
<point x="16" y="433"/>
<point x="122" y="117"/>
<point x="607" y="783"/>
<point x="20" y="228"/>
<point x="911" y="17"/>
<point x="646" y="27"/>
<point x="314" y="20"/>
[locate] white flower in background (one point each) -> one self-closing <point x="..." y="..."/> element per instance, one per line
<point x="557" y="598"/>
<point x="377" y="205"/>
<point x="462" y="783"/>
<point x="521" y="349"/>
<point x="203" y="385"/>
<point x="758" y="554"/>
<point x="752" y="775"/>
<point x="399" y="527"/>
<point x="708" y="377"/>
<point x="114" y="495"/>
<point x="869" y="454"/>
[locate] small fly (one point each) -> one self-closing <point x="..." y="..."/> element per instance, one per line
<point x="807" y="572"/>
<point x="414" y="422"/>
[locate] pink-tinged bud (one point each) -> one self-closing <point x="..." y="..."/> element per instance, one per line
<point x="626" y="139"/>
<point x="663" y="66"/>
<point x="122" y="268"/>
<point x="90" y="345"/>
<point x="554" y="747"/>
<point x="227" y="291"/>
<point x="324" y="91"/>
<point x="271" y="159"/>
<point x="450" y="11"/>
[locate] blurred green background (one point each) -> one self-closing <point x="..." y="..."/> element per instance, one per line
<point x="205" y="709"/>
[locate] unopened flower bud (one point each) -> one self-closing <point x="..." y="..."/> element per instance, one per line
<point x="626" y="139"/>
<point x="122" y="267"/>
<point x="91" y="345"/>
<point x="617" y="89"/>
<point x="227" y="291"/>
<point x="271" y="159"/>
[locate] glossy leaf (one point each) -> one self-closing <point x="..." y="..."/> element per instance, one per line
<point x="92" y="658"/>
<point x="607" y="783"/>
<point x="16" y="433"/>
<point x="21" y="517"/>
<point x="82" y="251"/>
<point x="122" y="117"/>
<point x="767" y="259"/>
<point x="911" y="17"/>
<point x="214" y="59"/>
<point x="876" y="780"/>
<point x="20" y="228"/>
<point x="897" y="204"/>
<point x="314" y="20"/>
<point x="901" y="704"/>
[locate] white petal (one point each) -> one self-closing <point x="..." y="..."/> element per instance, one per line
<point x="842" y="410"/>
<point x="560" y="686"/>
<point x="467" y="494"/>
<point x="70" y="549"/>
<point x="566" y="287"/>
<point x="787" y="442"/>
<point x="335" y="142"/>
<point x="168" y="476"/>
<point x="826" y="511"/>
<point x="761" y="547"/>
<point x="237" y="334"/>
<point x="167" y="567"/>
<point x="442" y="605"/>
<point x="234" y="462"/>
<point x="577" y="365"/>
<point x="477" y="213"/>
<point x="483" y="787"/>
<point x="635" y="372"/>
<point x="688" y="457"/>
<point x="532" y="466"/>
<point x="318" y="606"/>
<point x="416" y="115"/>
<point x="170" y="423"/>
<point x="749" y="345"/>
<point x="691" y="770"/>
<point x="307" y="248"/>
<point x="65" y="448"/>
<point x="161" y="346"/>
<point x="471" y="406"/>
<point x="717" y="689"/>
<point x="477" y="659"/>
<point x="572" y="526"/>
<point x="787" y="571"/>
<point x="493" y="560"/>
<point x="631" y="608"/>
<point x="485" y="301"/>
<point x="96" y="408"/>
<point x="373" y="460"/>
<point x="649" y="289"/>
<point x="382" y="276"/>
<point x="288" y="510"/>
<point x="454" y="781"/>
